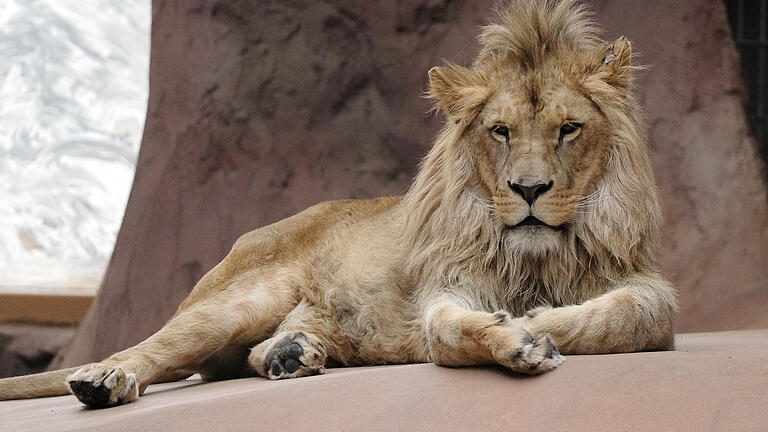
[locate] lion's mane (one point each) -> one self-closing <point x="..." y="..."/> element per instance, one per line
<point x="454" y="236"/>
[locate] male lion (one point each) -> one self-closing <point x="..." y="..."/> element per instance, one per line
<point x="532" y="224"/>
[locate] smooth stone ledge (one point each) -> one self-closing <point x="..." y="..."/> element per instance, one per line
<point x="713" y="381"/>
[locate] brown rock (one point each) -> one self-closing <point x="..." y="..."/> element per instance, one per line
<point x="30" y="348"/>
<point x="712" y="180"/>
<point x="260" y="109"/>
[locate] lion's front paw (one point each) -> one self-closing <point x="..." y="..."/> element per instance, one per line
<point x="532" y="355"/>
<point x="101" y="386"/>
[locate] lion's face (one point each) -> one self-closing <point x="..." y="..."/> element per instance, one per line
<point x="535" y="131"/>
<point x="542" y="163"/>
<point x="538" y="151"/>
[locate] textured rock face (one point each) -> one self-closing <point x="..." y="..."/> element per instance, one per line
<point x="715" y="236"/>
<point x="29" y="348"/>
<point x="260" y="109"/>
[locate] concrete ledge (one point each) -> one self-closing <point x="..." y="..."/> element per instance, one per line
<point x="714" y="381"/>
<point x="58" y="305"/>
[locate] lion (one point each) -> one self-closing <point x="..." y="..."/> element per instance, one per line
<point x="530" y="232"/>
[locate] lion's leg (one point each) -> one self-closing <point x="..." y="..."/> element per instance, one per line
<point x="636" y="316"/>
<point x="300" y="345"/>
<point x="190" y="337"/>
<point x="460" y="337"/>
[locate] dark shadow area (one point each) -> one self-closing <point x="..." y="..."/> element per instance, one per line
<point x="749" y="24"/>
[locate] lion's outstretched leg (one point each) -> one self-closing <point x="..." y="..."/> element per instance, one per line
<point x="636" y="316"/>
<point x="460" y="337"/>
<point x="189" y="338"/>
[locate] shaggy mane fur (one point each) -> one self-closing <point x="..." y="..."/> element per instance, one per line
<point x="616" y="231"/>
<point x="530" y="31"/>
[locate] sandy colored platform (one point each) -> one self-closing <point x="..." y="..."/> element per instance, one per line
<point x="713" y="382"/>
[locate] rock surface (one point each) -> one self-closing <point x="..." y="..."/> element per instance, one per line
<point x="260" y="109"/>
<point x="712" y="180"/>
<point x="30" y="348"/>
<point x="714" y="382"/>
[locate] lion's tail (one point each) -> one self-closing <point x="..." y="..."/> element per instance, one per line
<point x="53" y="383"/>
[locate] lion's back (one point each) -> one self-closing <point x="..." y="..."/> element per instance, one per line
<point x="294" y="239"/>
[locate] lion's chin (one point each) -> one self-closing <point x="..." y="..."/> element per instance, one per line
<point x="531" y="237"/>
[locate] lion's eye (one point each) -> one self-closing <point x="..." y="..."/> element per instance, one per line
<point x="568" y="129"/>
<point x="501" y="133"/>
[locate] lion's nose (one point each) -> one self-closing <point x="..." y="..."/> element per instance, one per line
<point x="529" y="193"/>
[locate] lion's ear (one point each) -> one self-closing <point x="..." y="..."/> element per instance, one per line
<point x="618" y="62"/>
<point x="614" y="67"/>
<point x="457" y="91"/>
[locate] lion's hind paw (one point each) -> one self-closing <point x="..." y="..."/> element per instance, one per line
<point x="295" y="356"/>
<point x="101" y="386"/>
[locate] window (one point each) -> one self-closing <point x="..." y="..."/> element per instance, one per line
<point x="73" y="96"/>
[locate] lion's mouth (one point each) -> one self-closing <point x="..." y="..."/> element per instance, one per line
<point x="533" y="221"/>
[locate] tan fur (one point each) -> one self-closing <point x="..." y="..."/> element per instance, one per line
<point x="445" y="273"/>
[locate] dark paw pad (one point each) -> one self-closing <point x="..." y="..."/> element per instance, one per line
<point x="285" y="356"/>
<point x="91" y="394"/>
